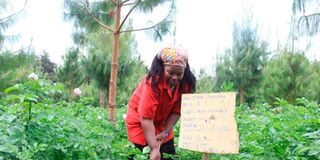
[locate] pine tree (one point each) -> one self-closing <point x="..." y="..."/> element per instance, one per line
<point x="243" y="63"/>
<point x="71" y="72"/>
<point x="48" y="68"/>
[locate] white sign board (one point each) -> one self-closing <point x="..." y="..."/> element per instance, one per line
<point x="208" y="123"/>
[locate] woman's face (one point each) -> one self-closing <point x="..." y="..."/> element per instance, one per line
<point x="173" y="74"/>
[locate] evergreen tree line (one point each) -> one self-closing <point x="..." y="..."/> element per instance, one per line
<point x="286" y="75"/>
<point x="261" y="76"/>
<point x="248" y="67"/>
<point x="89" y="72"/>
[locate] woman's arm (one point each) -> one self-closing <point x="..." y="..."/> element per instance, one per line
<point x="149" y="132"/>
<point x="171" y="121"/>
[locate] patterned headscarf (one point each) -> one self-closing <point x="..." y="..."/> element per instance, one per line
<point x="174" y="56"/>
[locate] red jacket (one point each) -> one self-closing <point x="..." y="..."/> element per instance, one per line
<point x="145" y="103"/>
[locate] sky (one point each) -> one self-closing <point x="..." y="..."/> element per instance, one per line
<point x="203" y="27"/>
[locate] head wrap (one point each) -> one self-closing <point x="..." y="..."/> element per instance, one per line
<point x="173" y="56"/>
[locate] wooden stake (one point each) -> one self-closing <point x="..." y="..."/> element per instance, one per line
<point x="205" y="156"/>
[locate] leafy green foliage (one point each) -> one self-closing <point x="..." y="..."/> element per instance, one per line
<point x="131" y="68"/>
<point x="98" y="61"/>
<point x="289" y="76"/>
<point x="313" y="85"/>
<point x="148" y="6"/>
<point x="33" y="126"/>
<point x="15" y="67"/>
<point x="204" y="82"/>
<point x="36" y="124"/>
<point x="97" y="64"/>
<point x="277" y="133"/>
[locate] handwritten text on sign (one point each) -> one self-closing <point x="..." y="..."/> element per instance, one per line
<point x="208" y="124"/>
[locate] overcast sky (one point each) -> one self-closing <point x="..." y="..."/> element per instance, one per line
<point x="203" y="27"/>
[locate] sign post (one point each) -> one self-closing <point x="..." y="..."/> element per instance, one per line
<point x="205" y="156"/>
<point x="208" y="124"/>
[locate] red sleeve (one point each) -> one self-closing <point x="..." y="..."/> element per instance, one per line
<point x="148" y="103"/>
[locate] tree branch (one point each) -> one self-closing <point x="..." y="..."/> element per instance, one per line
<point x="309" y="15"/>
<point x="140" y="29"/>
<point x="304" y="20"/>
<point x="126" y="2"/>
<point x="113" y="1"/>
<point x="146" y="28"/>
<point x="96" y="19"/>
<point x="87" y="10"/>
<point x="25" y="4"/>
<point x="21" y="49"/>
<point x="128" y="14"/>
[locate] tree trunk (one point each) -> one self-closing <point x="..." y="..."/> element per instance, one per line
<point x="70" y="91"/>
<point x="242" y="95"/>
<point x="101" y="95"/>
<point x="114" y="66"/>
<point x="69" y="94"/>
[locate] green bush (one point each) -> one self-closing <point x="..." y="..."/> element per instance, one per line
<point x="34" y="126"/>
<point x="35" y="123"/>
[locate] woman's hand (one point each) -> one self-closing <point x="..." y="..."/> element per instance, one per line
<point x="155" y="153"/>
<point x="162" y="136"/>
